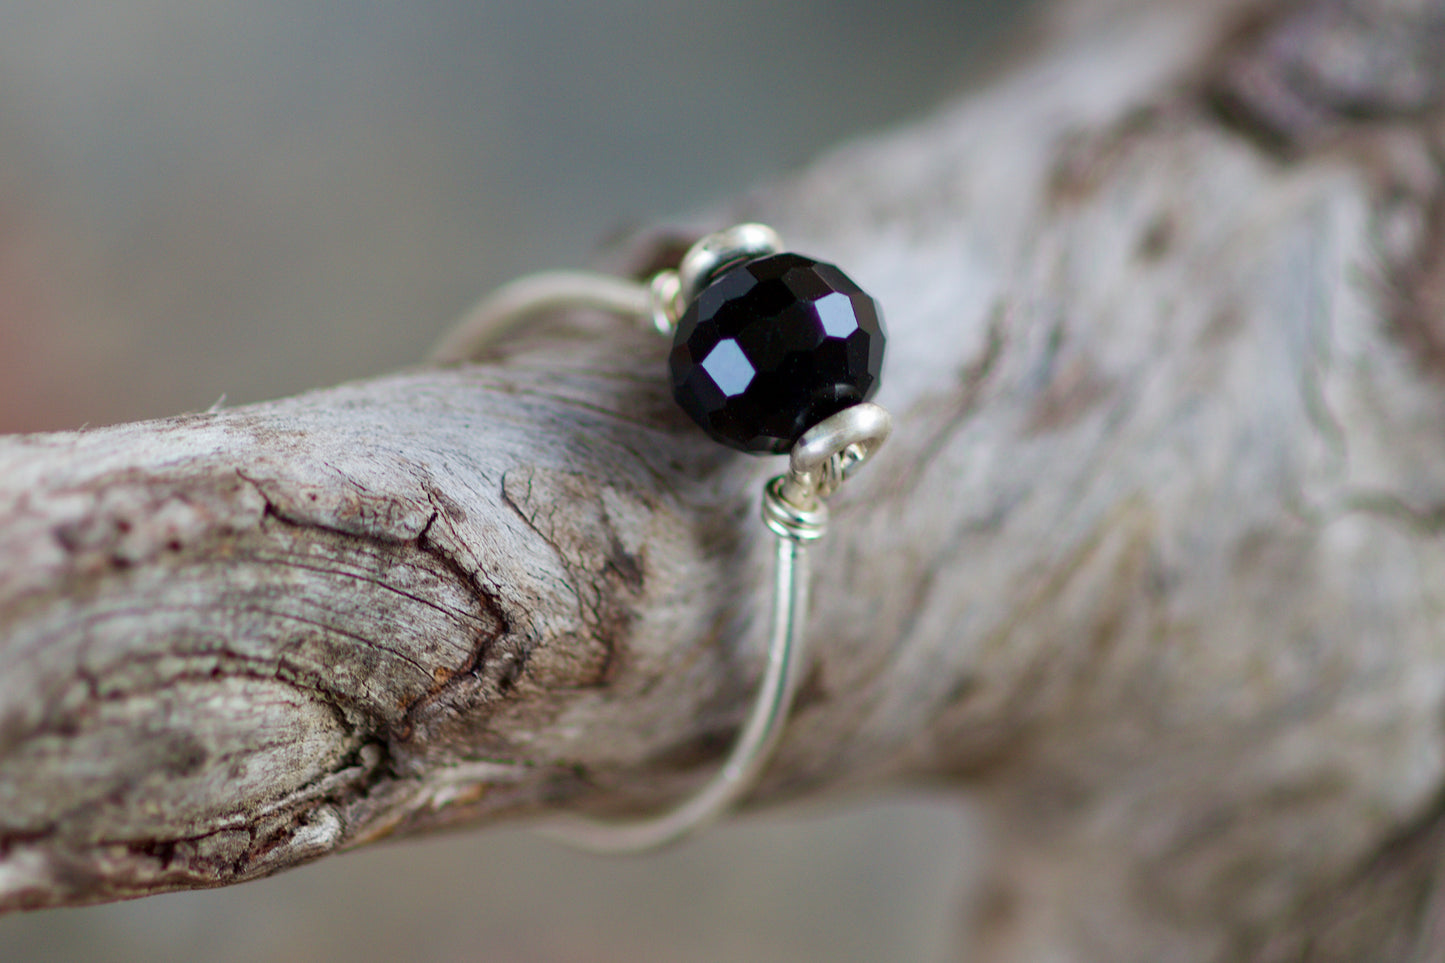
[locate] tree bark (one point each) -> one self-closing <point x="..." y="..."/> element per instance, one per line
<point x="1152" y="563"/>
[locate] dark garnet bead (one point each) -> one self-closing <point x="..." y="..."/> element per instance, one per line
<point x="773" y="346"/>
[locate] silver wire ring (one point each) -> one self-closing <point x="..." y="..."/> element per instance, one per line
<point x="793" y="508"/>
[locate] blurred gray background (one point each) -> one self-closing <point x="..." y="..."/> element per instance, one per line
<point x="212" y="197"/>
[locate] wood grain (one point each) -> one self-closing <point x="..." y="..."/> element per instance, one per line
<point x="1152" y="563"/>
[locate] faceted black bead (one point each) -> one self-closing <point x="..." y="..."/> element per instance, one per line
<point x="773" y="346"/>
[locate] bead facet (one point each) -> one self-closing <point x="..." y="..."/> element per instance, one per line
<point x="772" y="346"/>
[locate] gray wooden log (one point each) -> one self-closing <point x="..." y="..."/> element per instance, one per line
<point x="1152" y="564"/>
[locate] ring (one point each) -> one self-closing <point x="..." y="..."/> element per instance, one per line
<point x="772" y="353"/>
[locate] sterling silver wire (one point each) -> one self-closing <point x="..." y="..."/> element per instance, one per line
<point x="793" y="508"/>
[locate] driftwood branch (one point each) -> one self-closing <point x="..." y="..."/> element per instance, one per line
<point x="1153" y="561"/>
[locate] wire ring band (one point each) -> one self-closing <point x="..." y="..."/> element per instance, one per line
<point x="792" y="508"/>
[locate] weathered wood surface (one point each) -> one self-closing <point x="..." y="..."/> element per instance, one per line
<point x="1153" y="562"/>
